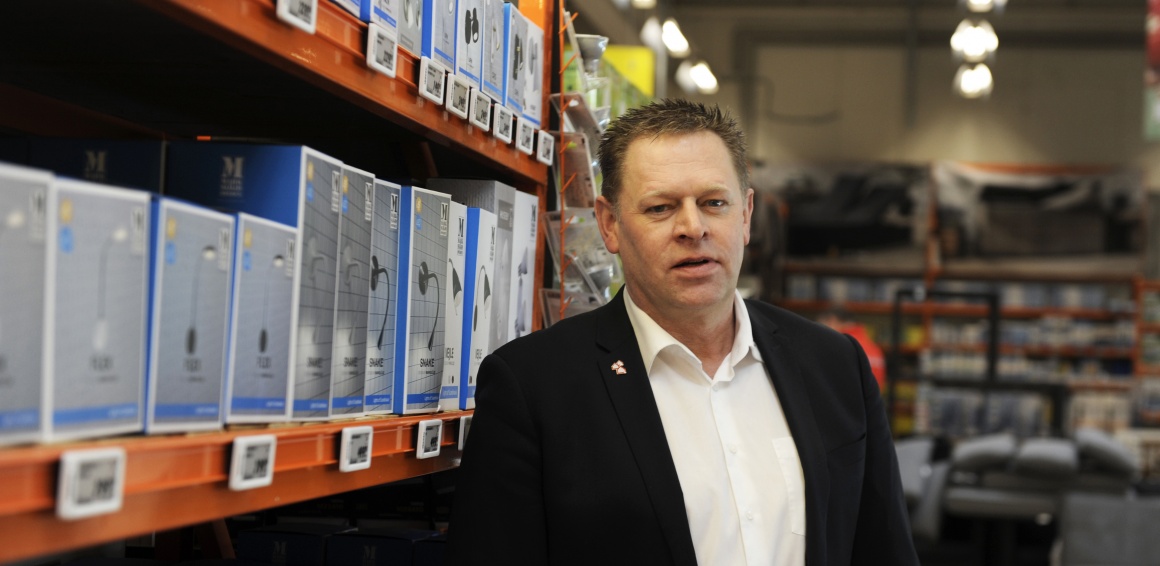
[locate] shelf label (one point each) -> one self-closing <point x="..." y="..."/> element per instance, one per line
<point x="428" y="442"/>
<point x="91" y="482"/>
<point x="354" y="451"/>
<point x="503" y="123"/>
<point x="302" y="14"/>
<point x="545" y="148"/>
<point x="464" y="428"/>
<point x="382" y="49"/>
<point x="480" y="110"/>
<point x="459" y="99"/>
<point x="432" y="80"/>
<point x="525" y="135"/>
<point x="252" y="461"/>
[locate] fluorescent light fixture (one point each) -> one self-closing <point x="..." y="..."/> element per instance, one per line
<point x="984" y="6"/>
<point x="650" y="34"/>
<point x="644" y="4"/>
<point x="696" y="78"/>
<point x="974" y="41"/>
<point x="673" y="39"/>
<point x="974" y="81"/>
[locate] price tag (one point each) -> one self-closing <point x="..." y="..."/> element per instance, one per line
<point x="430" y="433"/>
<point x="502" y="129"/>
<point x="525" y="135"/>
<point x="432" y="80"/>
<point x="458" y="100"/>
<point x="479" y="110"/>
<point x="91" y="482"/>
<point x="464" y="428"/>
<point x="252" y="462"/>
<point x="382" y="49"/>
<point x="545" y="148"/>
<point x="302" y="14"/>
<point x="354" y="451"/>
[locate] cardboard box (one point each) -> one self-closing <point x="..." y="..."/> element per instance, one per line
<point x="262" y="306"/>
<point x="297" y="186"/>
<point x="439" y="32"/>
<point x="371" y="547"/>
<point x="499" y="199"/>
<point x="523" y="265"/>
<point x="23" y="230"/>
<point x="515" y="40"/>
<point x="94" y="356"/>
<point x="494" y="54"/>
<point x="290" y="545"/>
<point x="410" y="25"/>
<point x="348" y="371"/>
<point x="191" y="252"/>
<point x="126" y="163"/>
<point x="382" y="303"/>
<point x="422" y="312"/>
<point x="470" y="29"/>
<point x="479" y="273"/>
<point x="382" y="12"/>
<point x="534" y="76"/>
<point x="455" y="301"/>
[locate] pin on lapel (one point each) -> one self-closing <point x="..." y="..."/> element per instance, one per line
<point x="618" y="367"/>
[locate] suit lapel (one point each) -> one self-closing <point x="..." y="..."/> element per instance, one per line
<point x="636" y="408"/>
<point x="799" y="415"/>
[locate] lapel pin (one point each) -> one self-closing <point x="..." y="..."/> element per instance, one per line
<point x="618" y="367"/>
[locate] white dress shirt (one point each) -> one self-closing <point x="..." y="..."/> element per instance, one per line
<point x="735" y="458"/>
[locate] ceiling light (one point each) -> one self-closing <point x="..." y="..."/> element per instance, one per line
<point x="644" y="4"/>
<point x="674" y="40"/>
<point x="974" y="41"/>
<point x="703" y="77"/>
<point x="974" y="81"/>
<point x="650" y="34"/>
<point x="983" y="6"/>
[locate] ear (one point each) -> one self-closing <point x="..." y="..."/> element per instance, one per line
<point x="607" y="220"/>
<point x="748" y="213"/>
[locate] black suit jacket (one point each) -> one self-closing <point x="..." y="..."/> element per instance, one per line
<point x="567" y="462"/>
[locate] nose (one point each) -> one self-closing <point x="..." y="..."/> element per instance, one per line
<point x="690" y="223"/>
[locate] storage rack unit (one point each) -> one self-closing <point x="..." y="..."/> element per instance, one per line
<point x="225" y="69"/>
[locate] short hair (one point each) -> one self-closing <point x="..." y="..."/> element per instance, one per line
<point x="668" y="116"/>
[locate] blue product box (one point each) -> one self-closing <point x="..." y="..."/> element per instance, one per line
<point x="191" y="252"/>
<point x="137" y="164"/>
<point x="534" y="75"/>
<point x="372" y="547"/>
<point x="422" y="312"/>
<point x="515" y="41"/>
<point x="355" y="7"/>
<point x="290" y="544"/>
<point x="439" y="32"/>
<point x="262" y="303"/>
<point x="470" y="29"/>
<point x="348" y="371"/>
<point x="494" y="54"/>
<point x="94" y="364"/>
<point x="293" y="185"/>
<point x="381" y="12"/>
<point x="382" y="303"/>
<point x="455" y="301"/>
<point x="479" y="272"/>
<point x="24" y="196"/>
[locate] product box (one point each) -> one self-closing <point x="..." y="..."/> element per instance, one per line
<point x="453" y="337"/>
<point x="262" y="305"/>
<point x="382" y="12"/>
<point x="137" y="164"/>
<point x="431" y="551"/>
<point x="382" y="304"/>
<point x="292" y="544"/>
<point x="422" y="312"/>
<point x="469" y="31"/>
<point x="352" y="6"/>
<point x="348" y="370"/>
<point x="479" y="272"/>
<point x="94" y="356"/>
<point x="534" y="76"/>
<point x="23" y="225"/>
<point x="191" y="251"/>
<point x="498" y="199"/>
<point x="439" y="31"/>
<point x="410" y="25"/>
<point x="369" y="547"/>
<point x="523" y="265"/>
<point x="492" y="26"/>
<point x="293" y="185"/>
<point x="515" y="40"/>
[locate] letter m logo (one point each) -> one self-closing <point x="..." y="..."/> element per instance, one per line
<point x="232" y="167"/>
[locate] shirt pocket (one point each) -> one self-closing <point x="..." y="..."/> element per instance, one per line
<point x="791" y="471"/>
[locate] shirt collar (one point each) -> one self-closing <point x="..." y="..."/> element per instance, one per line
<point x="652" y="339"/>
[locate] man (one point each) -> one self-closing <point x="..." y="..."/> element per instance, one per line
<point x="679" y="424"/>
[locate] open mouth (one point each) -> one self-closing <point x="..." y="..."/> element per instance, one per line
<point x="692" y="263"/>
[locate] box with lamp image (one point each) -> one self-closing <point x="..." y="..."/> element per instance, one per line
<point x="534" y="76"/>
<point x="191" y="251"/>
<point x="261" y="303"/>
<point x="439" y="32"/>
<point x="410" y="25"/>
<point x="381" y="304"/>
<point x="421" y="300"/>
<point x="137" y="164"/>
<point x="523" y="265"/>
<point x="492" y="68"/>
<point x="348" y="371"/>
<point x="469" y="31"/>
<point x="23" y="224"/>
<point x="94" y="356"/>
<point x="515" y="62"/>
<point x="455" y="301"/>
<point x="478" y="274"/>
<point x="297" y="186"/>
<point x="498" y="199"/>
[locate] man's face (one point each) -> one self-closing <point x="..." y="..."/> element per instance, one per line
<point x="681" y="225"/>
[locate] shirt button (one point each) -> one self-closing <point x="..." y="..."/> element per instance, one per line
<point x="733" y="448"/>
<point x="716" y="387"/>
<point x="749" y="515"/>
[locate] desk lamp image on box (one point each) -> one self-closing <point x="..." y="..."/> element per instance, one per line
<point x="521" y="324"/>
<point x="349" y="265"/>
<point x="208" y="255"/>
<point x="471" y="24"/>
<point x="413" y="11"/>
<point x="313" y="256"/>
<point x="101" y="329"/>
<point x="13" y="221"/>
<point x="484" y="288"/>
<point x="424" y="276"/>
<point x="456" y="287"/>
<point x="276" y="263"/>
<point x="376" y="271"/>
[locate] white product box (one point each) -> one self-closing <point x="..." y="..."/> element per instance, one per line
<point x="94" y="356"/>
<point x="420" y="299"/>
<point x="439" y="31"/>
<point x="469" y="32"/>
<point x="382" y="12"/>
<point x="23" y="225"/>
<point x="498" y="199"/>
<point x="136" y="164"/>
<point x="492" y="26"/>
<point x="534" y="76"/>
<point x="479" y="272"/>
<point x="297" y="186"/>
<point x="410" y="24"/>
<point x="191" y="251"/>
<point x="352" y="6"/>
<point x="382" y="303"/>
<point x="515" y="40"/>
<point x="262" y="304"/>
<point x="453" y="335"/>
<point x="348" y="370"/>
<point x="523" y="265"/>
